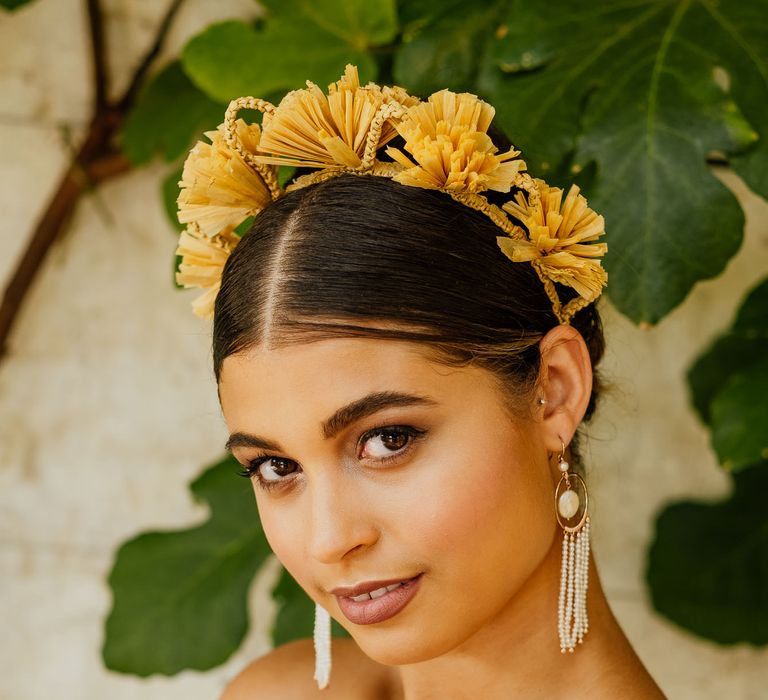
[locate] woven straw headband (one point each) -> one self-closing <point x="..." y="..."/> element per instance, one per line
<point x="235" y="177"/>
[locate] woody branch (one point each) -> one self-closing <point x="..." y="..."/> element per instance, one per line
<point x="97" y="159"/>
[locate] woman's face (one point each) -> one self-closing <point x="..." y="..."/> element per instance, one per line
<point x="383" y="465"/>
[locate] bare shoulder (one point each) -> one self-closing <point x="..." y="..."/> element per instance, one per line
<point x="287" y="673"/>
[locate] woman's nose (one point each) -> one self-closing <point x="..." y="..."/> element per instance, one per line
<point x="340" y="519"/>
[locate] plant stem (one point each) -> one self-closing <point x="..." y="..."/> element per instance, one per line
<point x="97" y="159"/>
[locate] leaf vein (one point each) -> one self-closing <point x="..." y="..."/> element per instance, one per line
<point x="653" y="90"/>
<point x="730" y="29"/>
<point x="600" y="49"/>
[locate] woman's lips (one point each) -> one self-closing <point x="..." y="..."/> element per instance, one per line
<point x="366" y="612"/>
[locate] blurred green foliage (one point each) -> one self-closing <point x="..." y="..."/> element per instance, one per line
<point x="708" y="563"/>
<point x="13" y="4"/>
<point x="163" y="580"/>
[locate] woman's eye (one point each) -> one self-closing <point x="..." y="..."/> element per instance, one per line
<point x="269" y="471"/>
<point x="387" y="443"/>
<point x="379" y="445"/>
<point x="275" y="468"/>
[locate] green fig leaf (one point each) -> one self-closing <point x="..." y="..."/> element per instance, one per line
<point x="448" y="51"/>
<point x="741" y="43"/>
<point x="359" y="23"/>
<point x="417" y="14"/>
<point x="735" y="351"/>
<point x="168" y="116"/>
<point x="752" y="318"/>
<point x="227" y="60"/>
<point x="707" y="567"/>
<point x="179" y="597"/>
<point x="712" y="370"/>
<point x="740" y="417"/>
<point x="634" y="88"/>
<point x="13" y="4"/>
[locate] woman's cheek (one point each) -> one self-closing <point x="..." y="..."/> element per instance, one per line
<point x="480" y="507"/>
<point x="277" y="527"/>
<point x="451" y="501"/>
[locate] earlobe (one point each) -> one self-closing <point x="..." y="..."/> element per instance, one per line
<point x="565" y="379"/>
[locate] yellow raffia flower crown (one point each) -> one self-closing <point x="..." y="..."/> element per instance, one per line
<point x="447" y="147"/>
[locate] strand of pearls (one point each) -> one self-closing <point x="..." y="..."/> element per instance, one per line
<point x="582" y="569"/>
<point x="322" y="642"/>
<point x="573" y="621"/>
<point x="563" y="587"/>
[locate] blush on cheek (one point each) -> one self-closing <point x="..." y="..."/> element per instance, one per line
<point x="454" y="499"/>
<point x="480" y="504"/>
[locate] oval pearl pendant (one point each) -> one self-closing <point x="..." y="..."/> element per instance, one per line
<point x="568" y="503"/>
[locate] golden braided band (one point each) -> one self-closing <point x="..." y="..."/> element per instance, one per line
<point x="448" y="149"/>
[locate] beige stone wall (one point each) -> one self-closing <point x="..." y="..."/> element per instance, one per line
<point x="108" y="409"/>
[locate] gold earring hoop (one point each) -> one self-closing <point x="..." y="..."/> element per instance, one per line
<point x="573" y="622"/>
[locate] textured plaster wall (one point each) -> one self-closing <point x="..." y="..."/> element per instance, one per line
<point x="107" y="408"/>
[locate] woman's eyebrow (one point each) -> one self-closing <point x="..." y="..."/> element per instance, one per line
<point x="344" y="416"/>
<point x="371" y="403"/>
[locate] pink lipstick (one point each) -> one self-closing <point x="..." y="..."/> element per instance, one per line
<point x="380" y="607"/>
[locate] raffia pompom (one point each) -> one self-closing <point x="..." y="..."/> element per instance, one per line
<point x="447" y="138"/>
<point x="558" y="232"/>
<point x="202" y="263"/>
<point x="218" y="189"/>
<point x="310" y="129"/>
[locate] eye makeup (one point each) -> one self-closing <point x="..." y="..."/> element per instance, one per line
<point x="254" y="466"/>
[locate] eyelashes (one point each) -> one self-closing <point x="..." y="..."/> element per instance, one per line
<point x="253" y="469"/>
<point x="401" y="436"/>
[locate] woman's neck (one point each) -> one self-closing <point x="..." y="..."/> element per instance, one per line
<point x="517" y="654"/>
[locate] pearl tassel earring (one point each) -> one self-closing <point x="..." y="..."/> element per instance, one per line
<point x="573" y="622"/>
<point x="322" y="640"/>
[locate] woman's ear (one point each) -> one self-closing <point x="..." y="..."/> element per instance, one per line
<point x="565" y="382"/>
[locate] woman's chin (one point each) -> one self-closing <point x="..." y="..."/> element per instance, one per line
<point x="397" y="649"/>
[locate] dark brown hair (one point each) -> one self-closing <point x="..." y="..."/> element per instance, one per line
<point x="364" y="255"/>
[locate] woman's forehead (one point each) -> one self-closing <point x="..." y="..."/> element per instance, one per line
<point x="344" y="356"/>
<point x="317" y="378"/>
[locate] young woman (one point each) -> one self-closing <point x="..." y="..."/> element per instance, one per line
<point x="406" y="400"/>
